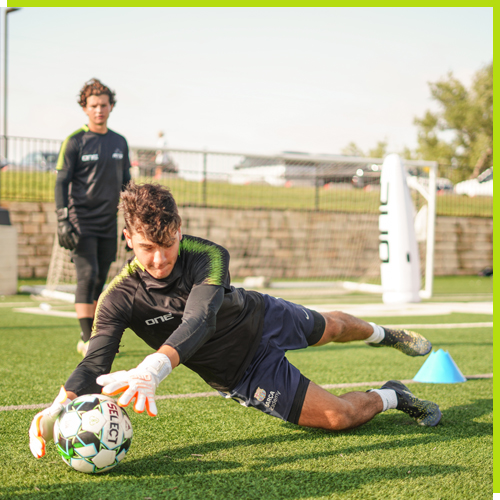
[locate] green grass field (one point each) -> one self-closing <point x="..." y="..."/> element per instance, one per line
<point x="39" y="186"/>
<point x="211" y="448"/>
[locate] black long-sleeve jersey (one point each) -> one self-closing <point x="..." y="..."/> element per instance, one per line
<point x="214" y="327"/>
<point x="92" y="169"/>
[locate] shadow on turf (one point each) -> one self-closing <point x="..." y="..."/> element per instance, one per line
<point x="181" y="470"/>
<point x="196" y="479"/>
<point x="458" y="423"/>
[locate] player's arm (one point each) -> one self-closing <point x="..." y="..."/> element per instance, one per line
<point x="81" y="381"/>
<point x="198" y="322"/>
<point x="140" y="383"/>
<point x="103" y="347"/>
<point x="68" y="156"/>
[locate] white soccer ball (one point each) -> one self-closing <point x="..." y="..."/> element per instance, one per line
<point x="93" y="434"/>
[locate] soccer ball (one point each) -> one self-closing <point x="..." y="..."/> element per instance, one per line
<point x="93" y="434"/>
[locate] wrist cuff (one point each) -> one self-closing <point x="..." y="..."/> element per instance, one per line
<point x="62" y="213"/>
<point x="158" y="363"/>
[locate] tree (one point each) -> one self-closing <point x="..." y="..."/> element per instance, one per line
<point x="461" y="132"/>
<point x="352" y="150"/>
<point x="379" y="151"/>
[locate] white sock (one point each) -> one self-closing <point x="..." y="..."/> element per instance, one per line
<point x="377" y="335"/>
<point x="389" y="398"/>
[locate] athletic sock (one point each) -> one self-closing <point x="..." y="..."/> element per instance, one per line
<point x="86" y="326"/>
<point x="377" y="336"/>
<point x="389" y="398"/>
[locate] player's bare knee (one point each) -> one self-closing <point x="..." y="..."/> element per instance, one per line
<point x="336" y="421"/>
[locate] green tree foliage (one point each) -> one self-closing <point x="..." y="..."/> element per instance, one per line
<point x="460" y="133"/>
<point x="379" y="151"/>
<point x="352" y="149"/>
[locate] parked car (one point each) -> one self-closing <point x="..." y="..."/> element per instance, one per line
<point x="482" y="185"/>
<point x="442" y="184"/>
<point x="41" y="161"/>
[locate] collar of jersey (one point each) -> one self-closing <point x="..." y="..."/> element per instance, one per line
<point x="160" y="283"/>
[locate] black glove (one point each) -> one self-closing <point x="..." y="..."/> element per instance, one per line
<point x="68" y="237"/>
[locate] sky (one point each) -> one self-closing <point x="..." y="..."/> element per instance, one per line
<point x="255" y="80"/>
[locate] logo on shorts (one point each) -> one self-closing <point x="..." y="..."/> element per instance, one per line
<point x="260" y="394"/>
<point x="272" y="400"/>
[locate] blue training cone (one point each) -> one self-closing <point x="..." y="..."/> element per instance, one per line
<point x="439" y="368"/>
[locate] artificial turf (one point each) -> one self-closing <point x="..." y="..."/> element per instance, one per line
<point x="212" y="448"/>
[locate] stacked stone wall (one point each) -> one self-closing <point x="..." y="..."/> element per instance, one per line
<point x="280" y="244"/>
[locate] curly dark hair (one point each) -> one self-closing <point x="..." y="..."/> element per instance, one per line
<point x="150" y="209"/>
<point x="95" y="87"/>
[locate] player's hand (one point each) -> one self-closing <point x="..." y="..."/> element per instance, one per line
<point x="66" y="234"/>
<point x="139" y="383"/>
<point x="42" y="427"/>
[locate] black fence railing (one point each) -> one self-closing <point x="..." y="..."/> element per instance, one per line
<point x="289" y="181"/>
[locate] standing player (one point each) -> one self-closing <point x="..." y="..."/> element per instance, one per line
<point x="92" y="169"/>
<point x="176" y="295"/>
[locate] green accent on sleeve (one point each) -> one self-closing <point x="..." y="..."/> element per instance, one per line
<point x="128" y="270"/>
<point x="60" y="160"/>
<point x="216" y="260"/>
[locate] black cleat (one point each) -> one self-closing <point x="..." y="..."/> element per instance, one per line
<point x="406" y="341"/>
<point x="424" y="412"/>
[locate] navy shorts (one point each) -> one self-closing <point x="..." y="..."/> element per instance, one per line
<point x="271" y="383"/>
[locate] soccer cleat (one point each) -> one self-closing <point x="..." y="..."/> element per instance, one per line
<point x="82" y="347"/>
<point x="406" y="341"/>
<point x="424" y="412"/>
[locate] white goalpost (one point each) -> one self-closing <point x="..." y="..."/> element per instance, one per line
<point x="337" y="240"/>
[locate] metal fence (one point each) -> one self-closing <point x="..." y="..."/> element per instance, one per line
<point x="288" y="181"/>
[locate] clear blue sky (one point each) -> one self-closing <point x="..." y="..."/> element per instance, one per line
<point x="242" y="79"/>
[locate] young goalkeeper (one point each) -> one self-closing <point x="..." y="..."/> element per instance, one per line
<point x="92" y="169"/>
<point x="176" y="295"/>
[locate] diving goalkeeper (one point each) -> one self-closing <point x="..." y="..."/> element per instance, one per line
<point x="176" y="295"/>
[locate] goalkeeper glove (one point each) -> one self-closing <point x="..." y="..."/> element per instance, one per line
<point x="42" y="427"/>
<point x="139" y="383"/>
<point x="68" y="238"/>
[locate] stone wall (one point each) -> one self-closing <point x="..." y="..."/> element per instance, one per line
<point x="280" y="244"/>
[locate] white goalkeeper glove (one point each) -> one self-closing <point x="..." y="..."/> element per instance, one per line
<point x="42" y="427"/>
<point x="139" y="383"/>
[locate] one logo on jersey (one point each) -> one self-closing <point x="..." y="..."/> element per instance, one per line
<point x="305" y="312"/>
<point x="93" y="157"/>
<point x="260" y="394"/>
<point x="160" y="319"/>
<point x="117" y="155"/>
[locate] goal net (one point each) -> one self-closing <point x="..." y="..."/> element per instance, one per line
<point x="293" y="216"/>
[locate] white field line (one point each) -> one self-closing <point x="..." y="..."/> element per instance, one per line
<point x="212" y="393"/>
<point x="444" y="325"/>
<point x="14" y="304"/>
<point x="72" y="314"/>
<point x="50" y="312"/>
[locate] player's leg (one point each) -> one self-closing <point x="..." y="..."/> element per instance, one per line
<point x="85" y="259"/>
<point x="323" y="410"/>
<point x="106" y="255"/>
<point x="343" y="327"/>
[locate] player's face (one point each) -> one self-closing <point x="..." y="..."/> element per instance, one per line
<point x="98" y="109"/>
<point x="158" y="260"/>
